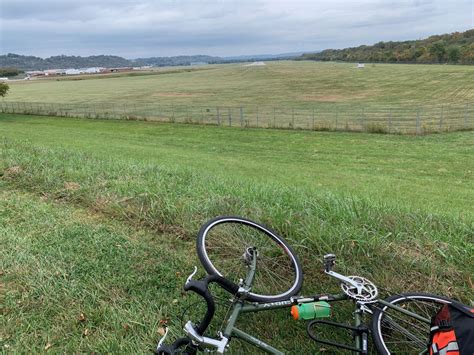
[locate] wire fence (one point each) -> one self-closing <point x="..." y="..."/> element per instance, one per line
<point x="401" y="119"/>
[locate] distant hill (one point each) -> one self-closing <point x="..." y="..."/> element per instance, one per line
<point x="254" y="57"/>
<point x="456" y="48"/>
<point x="177" y="60"/>
<point x="63" y="61"/>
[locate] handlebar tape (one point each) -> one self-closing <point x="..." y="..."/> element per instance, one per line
<point x="179" y="343"/>
<point x="201" y="287"/>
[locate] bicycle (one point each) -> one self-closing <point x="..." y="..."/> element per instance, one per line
<point x="231" y="248"/>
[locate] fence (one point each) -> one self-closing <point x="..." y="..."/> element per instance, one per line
<point x="401" y="119"/>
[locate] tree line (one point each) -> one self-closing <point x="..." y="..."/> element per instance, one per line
<point x="22" y="62"/>
<point x="454" y="48"/>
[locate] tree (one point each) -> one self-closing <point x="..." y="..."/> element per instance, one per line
<point x="4" y="89"/>
<point x="438" y="50"/>
<point x="454" y="54"/>
<point x="9" y="71"/>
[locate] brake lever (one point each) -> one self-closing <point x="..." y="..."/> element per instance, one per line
<point x="190" y="277"/>
<point x="162" y="340"/>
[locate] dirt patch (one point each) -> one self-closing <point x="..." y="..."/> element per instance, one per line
<point x="12" y="171"/>
<point x="72" y="186"/>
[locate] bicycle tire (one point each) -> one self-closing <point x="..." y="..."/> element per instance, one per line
<point x="390" y="333"/>
<point x="224" y="240"/>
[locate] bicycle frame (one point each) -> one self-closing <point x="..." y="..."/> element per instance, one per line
<point x="242" y="306"/>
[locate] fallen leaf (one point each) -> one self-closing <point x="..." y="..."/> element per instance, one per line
<point x="82" y="317"/>
<point x="161" y="331"/>
<point x="163" y="321"/>
<point x="85" y="332"/>
<point x="48" y="346"/>
<point x="175" y="301"/>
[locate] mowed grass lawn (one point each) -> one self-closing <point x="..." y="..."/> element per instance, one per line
<point x="98" y="220"/>
<point x="281" y="84"/>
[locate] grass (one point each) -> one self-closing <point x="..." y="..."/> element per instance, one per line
<point x="100" y="218"/>
<point x="432" y="173"/>
<point x="287" y="83"/>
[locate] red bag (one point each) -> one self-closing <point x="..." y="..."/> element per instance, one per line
<point x="452" y="331"/>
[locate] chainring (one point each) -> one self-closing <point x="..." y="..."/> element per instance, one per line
<point x="366" y="292"/>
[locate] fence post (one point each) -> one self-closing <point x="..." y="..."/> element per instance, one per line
<point x="257" y="116"/>
<point x="389" y="123"/>
<point x="441" y="118"/>
<point x="241" y="116"/>
<point x="465" y="116"/>
<point x="230" y="117"/>
<point x="418" y="121"/>
<point x="313" y="119"/>
<point x="274" y="118"/>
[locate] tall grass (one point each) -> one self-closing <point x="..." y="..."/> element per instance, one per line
<point x="400" y="249"/>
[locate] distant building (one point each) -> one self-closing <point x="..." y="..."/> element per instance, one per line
<point x="72" y="71"/>
<point x="92" y="70"/>
<point x="360" y="65"/>
<point x="49" y="72"/>
<point x="33" y="73"/>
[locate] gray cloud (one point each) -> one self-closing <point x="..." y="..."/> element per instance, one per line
<point x="136" y="28"/>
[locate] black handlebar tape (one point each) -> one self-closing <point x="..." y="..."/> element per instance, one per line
<point x="227" y="285"/>
<point x="164" y="350"/>
<point x="171" y="349"/>
<point x="200" y="287"/>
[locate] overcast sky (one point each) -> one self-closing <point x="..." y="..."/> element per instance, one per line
<point x="144" y="28"/>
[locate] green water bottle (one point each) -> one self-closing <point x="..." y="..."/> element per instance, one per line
<point x="313" y="310"/>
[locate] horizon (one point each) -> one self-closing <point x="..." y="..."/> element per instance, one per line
<point x="232" y="56"/>
<point x="144" y="28"/>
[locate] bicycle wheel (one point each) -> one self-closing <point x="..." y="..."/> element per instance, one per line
<point x="222" y="244"/>
<point x="394" y="332"/>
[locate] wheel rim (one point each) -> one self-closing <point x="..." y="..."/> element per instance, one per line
<point x="402" y="333"/>
<point x="224" y="243"/>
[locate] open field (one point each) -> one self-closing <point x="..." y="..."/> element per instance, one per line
<point x="287" y="83"/>
<point x="383" y="98"/>
<point x="99" y="218"/>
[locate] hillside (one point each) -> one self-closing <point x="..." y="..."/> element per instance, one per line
<point x="177" y="60"/>
<point x="22" y="62"/>
<point x="454" y="48"/>
<point x="106" y="222"/>
<point x="61" y="61"/>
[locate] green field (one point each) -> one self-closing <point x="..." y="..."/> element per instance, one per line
<point x="99" y="218"/>
<point x="286" y="83"/>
